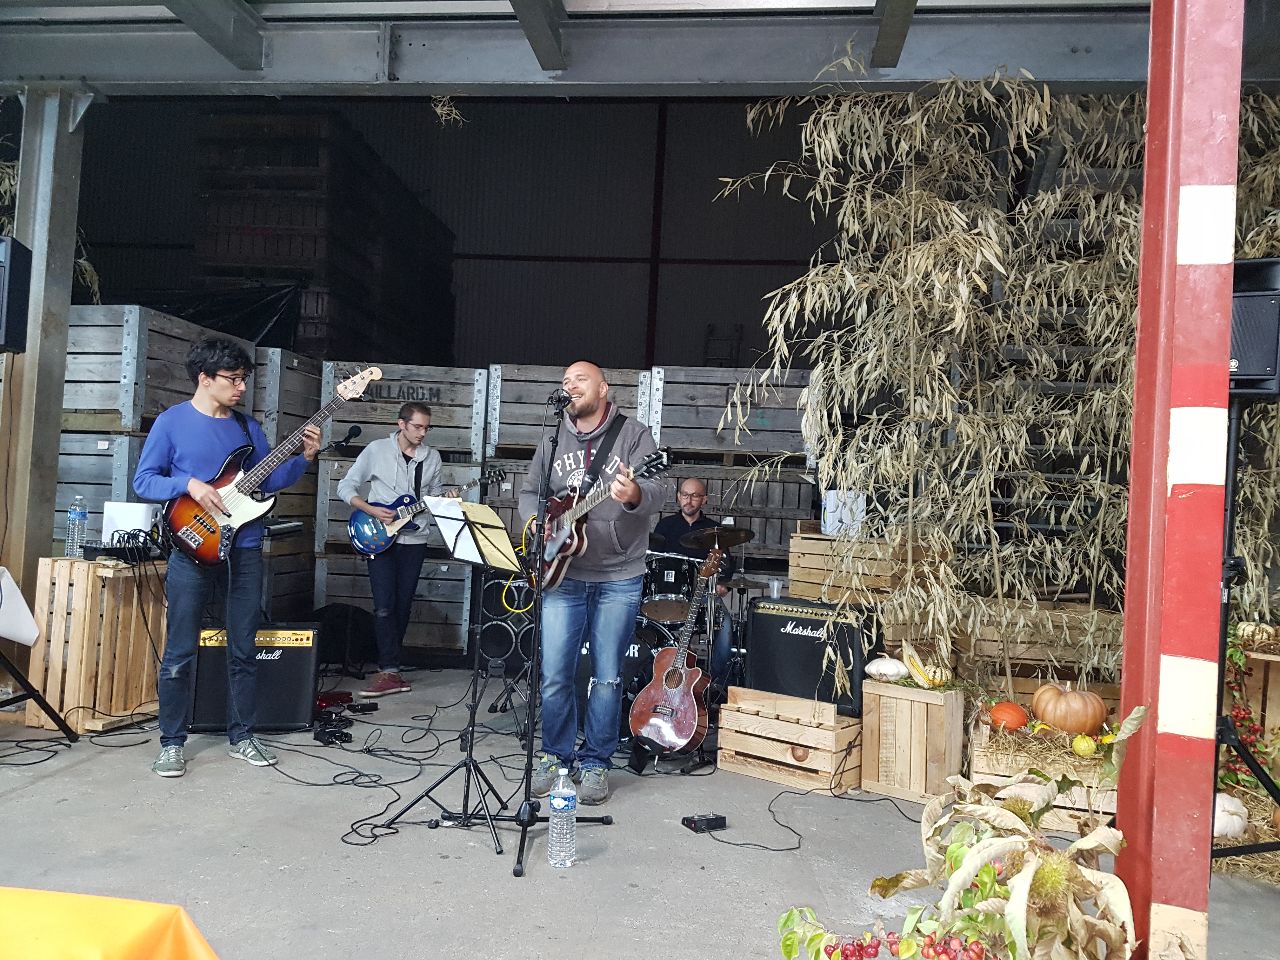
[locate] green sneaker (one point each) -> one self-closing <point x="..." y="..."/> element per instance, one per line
<point x="594" y="787"/>
<point x="251" y="750"/>
<point x="171" y="762"/>
<point x="545" y="773"/>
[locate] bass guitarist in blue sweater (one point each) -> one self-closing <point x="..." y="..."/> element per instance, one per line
<point x="187" y="446"/>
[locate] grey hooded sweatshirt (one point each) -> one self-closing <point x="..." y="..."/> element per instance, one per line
<point x="617" y="536"/>
<point x="382" y="466"/>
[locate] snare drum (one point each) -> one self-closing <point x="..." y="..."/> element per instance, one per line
<point x="668" y="587"/>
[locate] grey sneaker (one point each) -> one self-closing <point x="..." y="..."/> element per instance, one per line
<point x="252" y="751"/>
<point x="545" y="773"/>
<point x="171" y="762"/>
<point x="594" y="787"/>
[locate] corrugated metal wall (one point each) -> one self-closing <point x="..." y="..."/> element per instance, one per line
<point x="552" y="204"/>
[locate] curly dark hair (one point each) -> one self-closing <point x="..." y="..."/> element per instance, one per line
<point x="212" y="354"/>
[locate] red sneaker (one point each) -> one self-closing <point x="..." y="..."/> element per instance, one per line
<point x="383" y="684"/>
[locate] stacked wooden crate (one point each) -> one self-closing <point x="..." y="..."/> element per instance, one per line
<point x="1050" y="639"/>
<point x="793" y="741"/>
<point x="457" y="397"/>
<point x="834" y="570"/>
<point x="686" y="407"/>
<point x="300" y="196"/>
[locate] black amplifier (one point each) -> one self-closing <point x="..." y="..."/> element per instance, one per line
<point x="288" y="658"/>
<point x="787" y="642"/>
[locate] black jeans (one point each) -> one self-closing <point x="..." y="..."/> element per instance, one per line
<point x="188" y="589"/>
<point x="393" y="579"/>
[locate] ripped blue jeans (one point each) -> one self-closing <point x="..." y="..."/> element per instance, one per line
<point x="575" y="611"/>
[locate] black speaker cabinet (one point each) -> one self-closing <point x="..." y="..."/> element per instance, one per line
<point x="15" y="292"/>
<point x="288" y="656"/>
<point x="786" y="643"/>
<point x="1255" y="329"/>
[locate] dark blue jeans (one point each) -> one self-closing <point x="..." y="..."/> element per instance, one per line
<point x="188" y="590"/>
<point x="573" y="612"/>
<point x="393" y="578"/>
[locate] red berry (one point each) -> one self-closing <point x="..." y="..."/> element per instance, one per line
<point x="893" y="948"/>
<point x="875" y="943"/>
<point x="928" y="940"/>
<point x="928" y="952"/>
<point x="849" y="951"/>
<point x="829" y="949"/>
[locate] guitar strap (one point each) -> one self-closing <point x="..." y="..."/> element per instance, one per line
<point x="417" y="481"/>
<point x="601" y="454"/>
<point x="244" y="425"/>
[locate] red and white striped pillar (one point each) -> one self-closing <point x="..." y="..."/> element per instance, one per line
<point x="1178" y="467"/>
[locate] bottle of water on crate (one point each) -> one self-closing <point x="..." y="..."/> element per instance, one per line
<point x="562" y="825"/>
<point x="77" y="522"/>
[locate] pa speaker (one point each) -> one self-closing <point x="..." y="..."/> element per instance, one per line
<point x="787" y="642"/>
<point x="15" y="292"/>
<point x="1255" y="329"/>
<point x="287" y="660"/>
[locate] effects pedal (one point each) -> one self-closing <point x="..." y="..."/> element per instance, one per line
<point x="361" y="706"/>
<point x="704" y="822"/>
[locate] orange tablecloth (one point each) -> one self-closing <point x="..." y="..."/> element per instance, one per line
<point x="38" y="925"/>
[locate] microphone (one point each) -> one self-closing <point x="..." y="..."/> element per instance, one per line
<point x="560" y="399"/>
<point x="352" y="432"/>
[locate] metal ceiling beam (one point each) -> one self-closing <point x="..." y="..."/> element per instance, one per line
<point x="541" y="21"/>
<point x="229" y="26"/>
<point x="665" y="57"/>
<point x="895" y="20"/>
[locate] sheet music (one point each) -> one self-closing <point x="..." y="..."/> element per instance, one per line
<point x="473" y="533"/>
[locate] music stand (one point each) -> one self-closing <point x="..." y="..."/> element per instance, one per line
<point x="475" y="535"/>
<point x="17" y="624"/>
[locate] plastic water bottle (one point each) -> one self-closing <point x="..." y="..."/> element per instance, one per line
<point x="562" y="826"/>
<point x="77" y="521"/>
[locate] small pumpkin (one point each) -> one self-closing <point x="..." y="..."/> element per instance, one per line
<point x="1230" y="816"/>
<point x="886" y="669"/>
<point x="1250" y="632"/>
<point x="1071" y="711"/>
<point x="924" y="674"/>
<point x="1007" y="715"/>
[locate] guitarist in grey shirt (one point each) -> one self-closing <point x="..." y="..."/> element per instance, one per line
<point x="599" y="597"/>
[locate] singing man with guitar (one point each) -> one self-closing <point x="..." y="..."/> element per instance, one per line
<point x="392" y="466"/>
<point x="599" y="594"/>
<point x="188" y="443"/>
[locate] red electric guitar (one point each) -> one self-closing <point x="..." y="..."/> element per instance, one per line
<point x="207" y="538"/>
<point x="567" y="520"/>
<point x="671" y="712"/>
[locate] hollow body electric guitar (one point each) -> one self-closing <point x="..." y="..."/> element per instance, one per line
<point x="371" y="536"/>
<point x="567" y="520"/>
<point x="207" y="538"/>
<point x="671" y="712"/>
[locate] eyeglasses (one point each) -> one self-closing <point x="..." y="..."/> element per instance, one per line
<point x="235" y="381"/>
<point x="692" y="496"/>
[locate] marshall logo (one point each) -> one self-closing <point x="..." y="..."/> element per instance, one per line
<point x="269" y="654"/>
<point x="818" y="633"/>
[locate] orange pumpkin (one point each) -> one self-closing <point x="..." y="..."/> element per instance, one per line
<point x="1071" y="711"/>
<point x="1007" y="715"/>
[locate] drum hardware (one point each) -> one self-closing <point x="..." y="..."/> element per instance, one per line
<point x="745" y="583"/>
<point x="656" y="542"/>
<point x="711" y="538"/>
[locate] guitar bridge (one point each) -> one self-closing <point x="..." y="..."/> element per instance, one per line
<point x="664" y="710"/>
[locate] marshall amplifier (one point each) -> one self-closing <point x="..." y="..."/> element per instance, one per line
<point x="287" y="673"/>
<point x="787" y="641"/>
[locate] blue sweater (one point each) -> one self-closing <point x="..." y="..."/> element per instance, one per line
<point x="186" y="443"/>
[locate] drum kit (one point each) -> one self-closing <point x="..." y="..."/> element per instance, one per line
<point x="669" y="584"/>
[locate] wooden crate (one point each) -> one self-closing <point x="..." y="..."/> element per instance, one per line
<point x="987" y="765"/>
<point x="518" y="396"/>
<point x="789" y="740"/>
<point x="286" y="393"/>
<point x="288" y="576"/>
<point x="912" y="740"/>
<point x="457" y="397"/>
<point x="441" y="609"/>
<point x="101" y="636"/>
<point x="332" y="512"/>
<point x="1262" y="688"/>
<point x="1044" y="634"/>
<point x="687" y="404"/>
<point x="505" y="498"/>
<point x="125" y="365"/>
<point x="98" y="467"/>
<point x="827" y="568"/>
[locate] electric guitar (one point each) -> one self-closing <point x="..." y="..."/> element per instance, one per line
<point x="370" y="536"/>
<point x="207" y="538"/>
<point x="567" y="520"/>
<point x="671" y="712"/>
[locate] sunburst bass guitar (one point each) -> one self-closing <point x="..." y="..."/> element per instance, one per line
<point x="207" y="538"/>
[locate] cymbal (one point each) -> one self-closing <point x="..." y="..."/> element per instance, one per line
<point x="745" y="583"/>
<point x="722" y="537"/>
<point x="657" y="541"/>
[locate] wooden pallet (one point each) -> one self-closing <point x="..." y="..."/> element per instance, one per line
<point x="101" y="636"/>
<point x="830" y="570"/>
<point x="1046" y="634"/>
<point x="518" y="400"/>
<point x="688" y="404"/>
<point x="286" y="393"/>
<point x="288" y="576"/>
<point x="789" y="740"/>
<point x="913" y="740"/>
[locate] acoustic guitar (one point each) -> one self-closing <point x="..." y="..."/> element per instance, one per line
<point x="207" y="538"/>
<point x="671" y="712"/>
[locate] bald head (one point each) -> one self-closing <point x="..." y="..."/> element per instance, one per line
<point x="585" y="383"/>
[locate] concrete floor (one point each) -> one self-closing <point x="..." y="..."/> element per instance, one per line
<point x="256" y="855"/>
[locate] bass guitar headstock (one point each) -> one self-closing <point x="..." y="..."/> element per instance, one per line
<point x="353" y="387"/>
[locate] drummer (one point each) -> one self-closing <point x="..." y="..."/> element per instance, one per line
<point x="691" y="498"/>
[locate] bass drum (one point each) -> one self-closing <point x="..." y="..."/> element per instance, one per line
<point x="637" y="669"/>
